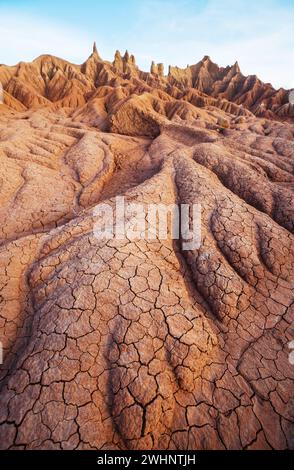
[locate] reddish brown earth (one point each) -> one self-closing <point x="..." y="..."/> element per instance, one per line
<point x="136" y="343"/>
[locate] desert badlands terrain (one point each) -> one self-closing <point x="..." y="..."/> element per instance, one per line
<point x="138" y="344"/>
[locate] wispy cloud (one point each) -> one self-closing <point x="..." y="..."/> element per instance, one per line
<point x="25" y="37"/>
<point x="257" y="34"/>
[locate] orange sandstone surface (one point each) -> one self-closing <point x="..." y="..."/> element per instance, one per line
<point x="138" y="344"/>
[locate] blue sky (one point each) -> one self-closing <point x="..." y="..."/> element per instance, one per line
<point x="259" y="34"/>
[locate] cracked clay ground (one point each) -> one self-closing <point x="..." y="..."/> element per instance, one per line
<point x="126" y="344"/>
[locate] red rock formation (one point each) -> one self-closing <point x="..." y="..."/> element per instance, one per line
<point x="229" y="83"/>
<point x="50" y="80"/>
<point x="139" y="344"/>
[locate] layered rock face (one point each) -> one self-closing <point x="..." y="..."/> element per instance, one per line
<point x="54" y="83"/>
<point x="137" y="343"/>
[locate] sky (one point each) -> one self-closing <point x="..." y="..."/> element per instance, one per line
<point x="259" y="34"/>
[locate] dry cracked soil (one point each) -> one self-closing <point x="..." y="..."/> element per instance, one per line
<point x="138" y="344"/>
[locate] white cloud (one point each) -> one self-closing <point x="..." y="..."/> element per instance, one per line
<point x="24" y="37"/>
<point x="257" y="34"/>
